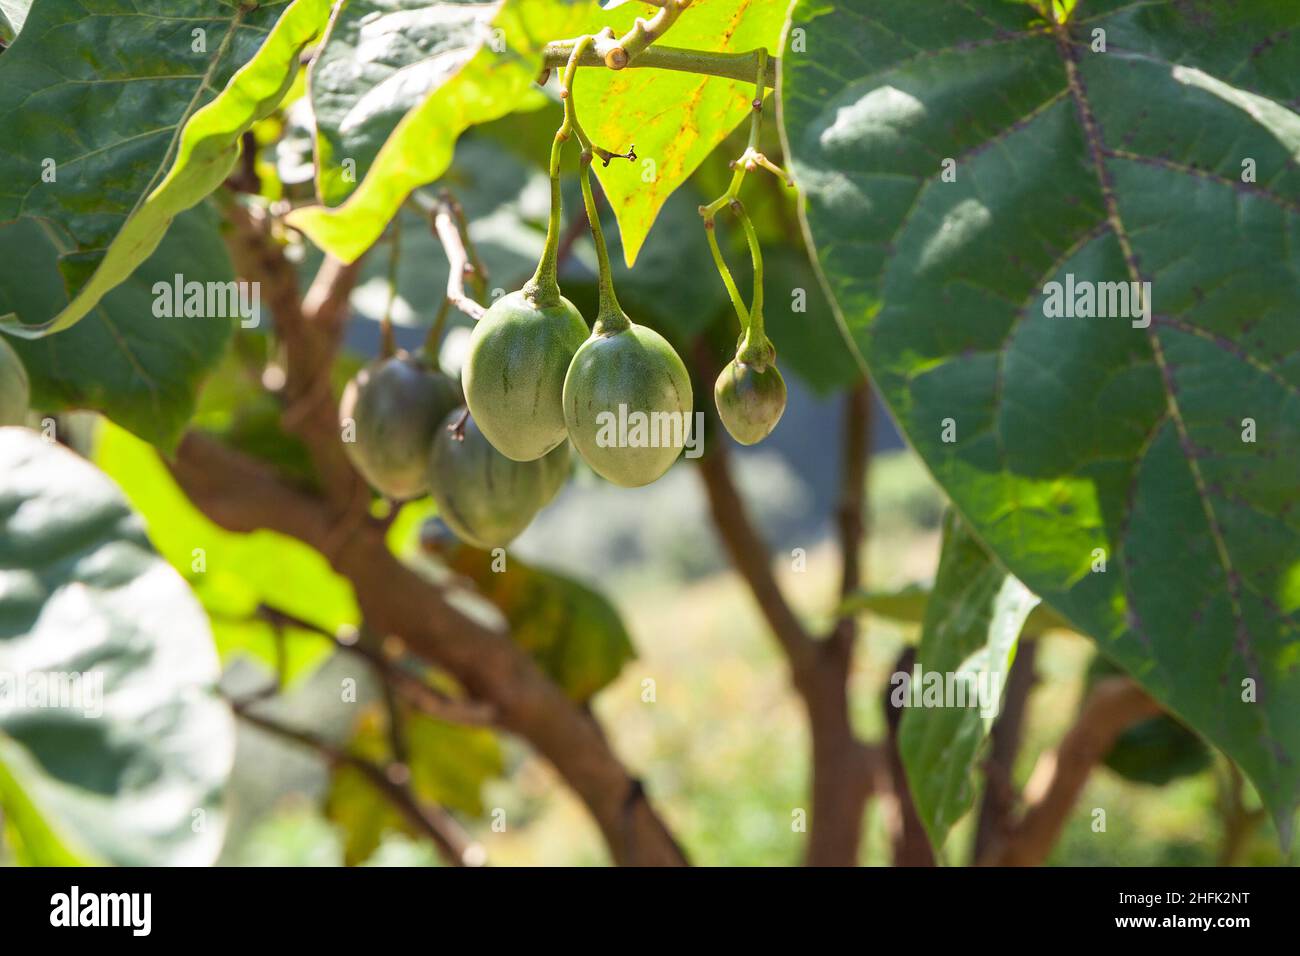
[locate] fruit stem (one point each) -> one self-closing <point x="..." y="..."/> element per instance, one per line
<point x="433" y="341"/>
<point x="755" y="343"/>
<point x="610" y="317"/>
<point x="544" y="287"/>
<point x="742" y="312"/>
<point x="387" y="343"/>
<point x="756" y="254"/>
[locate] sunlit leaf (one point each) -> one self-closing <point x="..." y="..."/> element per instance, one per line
<point x="141" y="112"/>
<point x="675" y="119"/>
<point x="125" y="757"/>
<point x="233" y="574"/>
<point x="971" y="628"/>
<point x="414" y="147"/>
<point x="140" y="370"/>
<point x="1140" y="476"/>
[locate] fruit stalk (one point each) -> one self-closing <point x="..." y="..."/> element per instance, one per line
<point x="610" y="317"/>
<point x="544" y="287"/>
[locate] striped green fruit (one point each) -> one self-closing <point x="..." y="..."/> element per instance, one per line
<point x="627" y="404"/>
<point x="514" y="373"/>
<point x="750" y="400"/>
<point x="483" y="496"/>
<point x="394" y="406"/>
<point x="15" y="392"/>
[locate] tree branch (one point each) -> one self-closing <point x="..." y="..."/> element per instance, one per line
<point x="244" y="495"/>
<point x="910" y="845"/>
<point x="845" y="770"/>
<point x="998" y="800"/>
<point x="415" y="692"/>
<point x="459" y="262"/>
<point x="456" y="846"/>
<point x="1114" y="705"/>
<point x="731" y="66"/>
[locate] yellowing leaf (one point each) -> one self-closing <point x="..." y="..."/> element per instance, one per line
<point x="674" y="119"/>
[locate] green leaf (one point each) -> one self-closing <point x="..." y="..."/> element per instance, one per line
<point x="675" y="119"/>
<point x="141" y="371"/>
<point x="972" y="625"/>
<point x="414" y="147"/>
<point x="129" y="766"/>
<point x="233" y="574"/>
<point x="1087" y="439"/>
<point x="574" y="633"/>
<point x="379" y="60"/>
<point x="908" y="605"/>
<point x="148" y="125"/>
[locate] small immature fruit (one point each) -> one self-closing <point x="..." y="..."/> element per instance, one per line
<point x="514" y="372"/>
<point x="485" y="497"/>
<point x="15" y="393"/>
<point x="396" y="404"/>
<point x="750" y="399"/>
<point x="627" y="404"/>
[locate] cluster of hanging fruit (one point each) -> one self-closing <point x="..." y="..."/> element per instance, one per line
<point x="493" y="449"/>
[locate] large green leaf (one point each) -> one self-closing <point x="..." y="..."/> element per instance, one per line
<point x="1079" y="439"/>
<point x="972" y="625"/>
<point x="233" y="574"/>
<point x="131" y="766"/>
<point x="141" y="371"/>
<point x="397" y="113"/>
<point x="141" y="116"/>
<point x="379" y="61"/>
<point x="674" y="119"/>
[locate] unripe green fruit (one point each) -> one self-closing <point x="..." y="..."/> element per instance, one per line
<point x="750" y="399"/>
<point x="485" y="497"/>
<point x="514" y="373"/>
<point x="396" y="405"/>
<point x="627" y="404"/>
<point x="15" y="392"/>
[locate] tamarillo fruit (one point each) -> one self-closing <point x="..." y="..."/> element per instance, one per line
<point x="514" y="371"/>
<point x="486" y="498"/>
<point x="396" y="405"/>
<point x="627" y="403"/>
<point x="750" y="399"/>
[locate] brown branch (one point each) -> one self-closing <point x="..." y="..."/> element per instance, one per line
<point x="643" y="33"/>
<point x="909" y="844"/>
<point x="1114" y="705"/>
<point x="845" y="770"/>
<point x="999" y="798"/>
<point x="1239" y="820"/>
<point x="415" y="692"/>
<point x="732" y="66"/>
<point x="244" y="495"/>
<point x="456" y="846"/>
<point x="459" y="263"/>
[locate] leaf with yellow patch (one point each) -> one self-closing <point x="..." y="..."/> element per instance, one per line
<point x="674" y="119"/>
